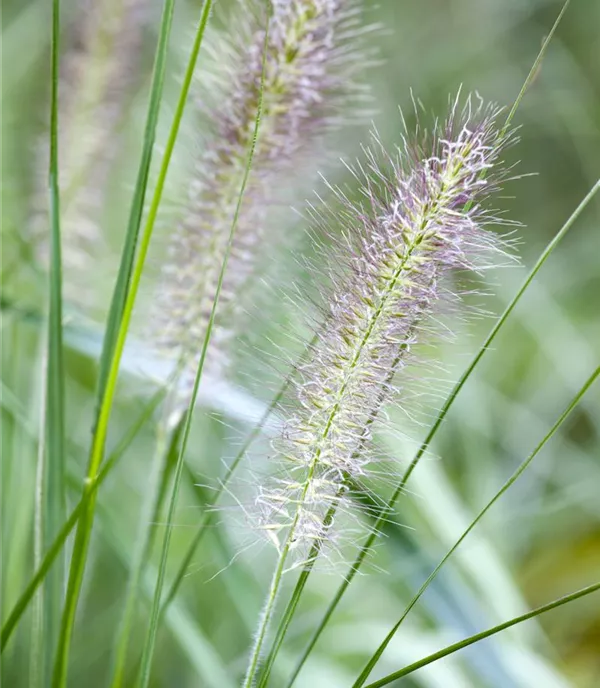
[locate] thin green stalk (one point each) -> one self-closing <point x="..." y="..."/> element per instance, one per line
<point x="57" y="545"/>
<point x="107" y="391"/>
<point x="270" y="605"/>
<point x="513" y="478"/>
<point x="38" y="653"/>
<point x="148" y="652"/>
<point x="290" y="609"/>
<point x="388" y="509"/>
<point x="535" y="68"/>
<point x="471" y="640"/>
<point x="54" y="501"/>
<point x="167" y="473"/>
<point x="210" y="670"/>
<point x="141" y="550"/>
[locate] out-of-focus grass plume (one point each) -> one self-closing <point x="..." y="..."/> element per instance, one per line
<point x="100" y="70"/>
<point x="310" y="81"/>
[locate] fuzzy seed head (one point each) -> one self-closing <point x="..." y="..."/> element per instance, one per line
<point x="308" y="74"/>
<point x="422" y="214"/>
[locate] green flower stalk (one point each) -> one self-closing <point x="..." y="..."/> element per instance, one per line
<point x="310" y="74"/>
<point x="421" y="215"/>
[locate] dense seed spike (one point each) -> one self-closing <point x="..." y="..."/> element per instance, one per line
<point x="421" y="215"/>
<point x="309" y="75"/>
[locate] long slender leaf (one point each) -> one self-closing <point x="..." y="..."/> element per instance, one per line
<point x="139" y="556"/>
<point x="535" y="68"/>
<point x="19" y="444"/>
<point x="513" y="478"/>
<point x="119" y="319"/>
<point x="451" y="649"/>
<point x="53" y="493"/>
<point x="121" y="289"/>
<point x="148" y="652"/>
<point x="38" y="652"/>
<point x="211" y="670"/>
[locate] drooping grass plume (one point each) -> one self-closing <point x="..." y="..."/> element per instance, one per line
<point x="441" y="415"/>
<point x="312" y="63"/>
<point x="101" y="63"/>
<point x="422" y="214"/>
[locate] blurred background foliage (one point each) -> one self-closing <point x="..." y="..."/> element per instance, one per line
<point x="540" y="541"/>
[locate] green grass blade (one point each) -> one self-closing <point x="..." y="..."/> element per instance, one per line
<point x="166" y="476"/>
<point x="53" y="495"/>
<point x="121" y="289"/>
<point x="411" y="668"/>
<point x="148" y="652"/>
<point x="211" y="671"/>
<point x="535" y="68"/>
<point x="39" y="656"/>
<point x="113" y="354"/>
<point x="513" y="478"/>
<point x="57" y="545"/>
<point x="11" y="405"/>
<point x="387" y="510"/>
<point x="19" y="447"/>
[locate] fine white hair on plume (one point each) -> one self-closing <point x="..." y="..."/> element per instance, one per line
<point x="421" y="214"/>
<point x="311" y="63"/>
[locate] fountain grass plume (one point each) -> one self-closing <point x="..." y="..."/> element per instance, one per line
<point x="312" y="63"/>
<point x="422" y="214"/>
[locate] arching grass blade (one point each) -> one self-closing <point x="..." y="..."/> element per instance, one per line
<point x="451" y="649"/>
<point x="513" y="478"/>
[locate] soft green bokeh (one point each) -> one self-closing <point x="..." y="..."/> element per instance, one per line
<point x="542" y="540"/>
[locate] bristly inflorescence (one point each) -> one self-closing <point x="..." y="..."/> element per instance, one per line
<point x="101" y="62"/>
<point x="422" y="214"/>
<point x="310" y="67"/>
